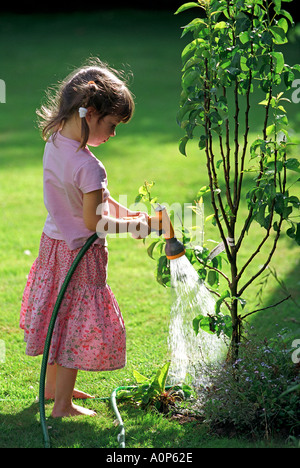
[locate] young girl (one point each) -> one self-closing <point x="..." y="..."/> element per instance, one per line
<point x="89" y="332"/>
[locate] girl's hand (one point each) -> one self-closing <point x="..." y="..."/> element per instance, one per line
<point x="133" y="214"/>
<point x="139" y="226"/>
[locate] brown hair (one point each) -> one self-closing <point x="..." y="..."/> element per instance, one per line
<point x="94" y="85"/>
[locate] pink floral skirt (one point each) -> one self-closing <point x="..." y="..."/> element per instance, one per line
<point x="89" y="332"/>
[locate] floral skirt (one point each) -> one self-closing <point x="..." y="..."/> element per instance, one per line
<point x="89" y="332"/>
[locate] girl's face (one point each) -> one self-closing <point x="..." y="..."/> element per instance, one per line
<point x="101" y="129"/>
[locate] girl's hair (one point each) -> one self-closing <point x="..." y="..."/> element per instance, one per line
<point x="94" y="85"/>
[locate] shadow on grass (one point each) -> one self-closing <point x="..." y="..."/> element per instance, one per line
<point x="286" y="315"/>
<point x="23" y="430"/>
<point x="143" y="430"/>
<point x="20" y="429"/>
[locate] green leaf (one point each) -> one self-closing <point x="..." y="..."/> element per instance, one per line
<point x="279" y="35"/>
<point x="294" y="201"/>
<point x="282" y="23"/>
<point x="143" y="190"/>
<point x="287" y="15"/>
<point x="163" y="271"/>
<point x="212" y="278"/>
<point x="139" y="377"/>
<point x="292" y="164"/>
<point x="186" y="6"/>
<point x="207" y="325"/>
<point x="196" y="323"/>
<point x="222" y="298"/>
<point x="162" y="376"/>
<point x="151" y="248"/>
<point x="220" y="25"/>
<point x="202" y="142"/>
<point x="242" y="23"/>
<point x="193" y="26"/>
<point x="202" y="192"/>
<point x="270" y="129"/>
<point x="279" y="203"/>
<point x="189" y="78"/>
<point x="182" y="145"/>
<point x="277" y="5"/>
<point x="279" y="61"/>
<point x="138" y="198"/>
<point x="227" y="327"/>
<point x="291" y="232"/>
<point x="189" y="49"/>
<point x="157" y="386"/>
<point x="258" y="144"/>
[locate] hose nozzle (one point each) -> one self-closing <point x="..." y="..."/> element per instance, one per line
<point x="162" y="223"/>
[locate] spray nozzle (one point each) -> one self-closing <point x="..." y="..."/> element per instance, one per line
<point x="162" y="223"/>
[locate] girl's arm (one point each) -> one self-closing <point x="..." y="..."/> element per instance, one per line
<point x="120" y="211"/>
<point x="96" y="220"/>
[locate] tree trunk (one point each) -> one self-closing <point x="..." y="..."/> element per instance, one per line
<point x="233" y="351"/>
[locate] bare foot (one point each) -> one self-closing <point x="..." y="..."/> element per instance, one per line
<point x="50" y="395"/>
<point x="72" y="410"/>
<point x="81" y="395"/>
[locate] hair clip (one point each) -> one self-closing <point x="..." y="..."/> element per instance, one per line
<point x="82" y="112"/>
<point x="91" y="82"/>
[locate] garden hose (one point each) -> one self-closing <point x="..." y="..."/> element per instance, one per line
<point x="59" y="299"/>
<point x="113" y="400"/>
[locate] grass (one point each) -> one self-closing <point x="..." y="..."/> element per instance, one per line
<point x="40" y="50"/>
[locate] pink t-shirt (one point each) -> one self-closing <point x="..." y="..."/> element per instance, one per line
<point x="68" y="174"/>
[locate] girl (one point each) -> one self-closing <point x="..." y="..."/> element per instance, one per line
<point x="89" y="332"/>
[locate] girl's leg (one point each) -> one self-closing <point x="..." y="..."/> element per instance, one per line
<point x="50" y="382"/>
<point x="63" y="405"/>
<point x="51" y="385"/>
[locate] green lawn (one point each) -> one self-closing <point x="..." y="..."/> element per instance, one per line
<point x="36" y="52"/>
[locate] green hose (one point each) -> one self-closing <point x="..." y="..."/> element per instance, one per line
<point x="59" y="299"/>
<point x="113" y="400"/>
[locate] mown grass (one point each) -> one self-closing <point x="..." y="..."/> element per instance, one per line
<point x="36" y="52"/>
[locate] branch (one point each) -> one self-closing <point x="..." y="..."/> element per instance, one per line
<point x="226" y="160"/>
<point x="260" y="245"/>
<point x="211" y="186"/>
<point x="213" y="268"/>
<point x="248" y="219"/>
<point x="245" y="140"/>
<point x="227" y="147"/>
<point x="219" y="295"/>
<point x="210" y="165"/>
<point x="236" y="152"/>
<point x="266" y="308"/>
<point x="245" y="228"/>
<point x="267" y="262"/>
<point x="215" y="181"/>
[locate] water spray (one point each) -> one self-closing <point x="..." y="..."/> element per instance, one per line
<point x="161" y="222"/>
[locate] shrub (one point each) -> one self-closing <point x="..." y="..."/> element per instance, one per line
<point x="250" y="397"/>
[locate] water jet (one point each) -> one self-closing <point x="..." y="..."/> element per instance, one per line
<point x="190" y="354"/>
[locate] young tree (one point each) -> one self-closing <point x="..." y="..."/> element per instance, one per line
<point x="234" y="54"/>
